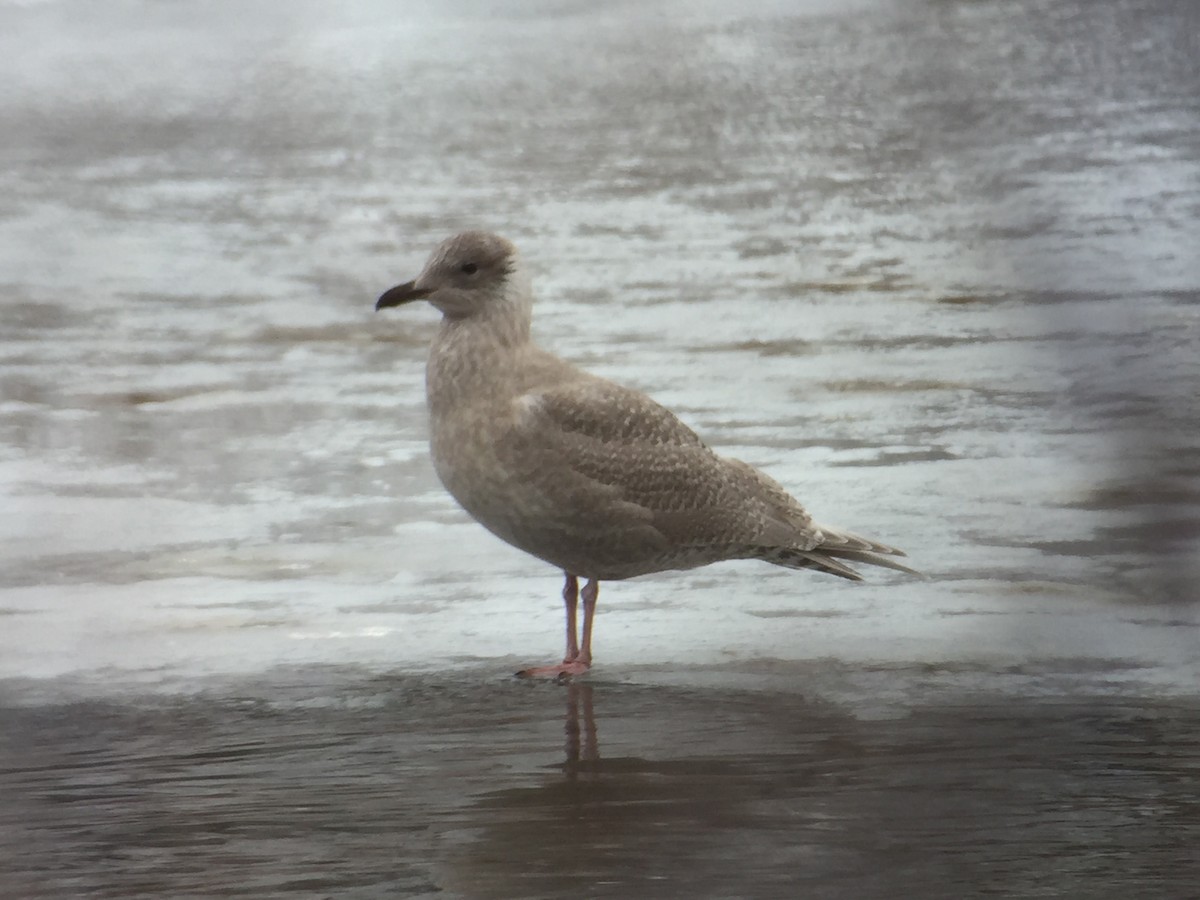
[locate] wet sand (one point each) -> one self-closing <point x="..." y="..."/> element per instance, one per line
<point x="332" y="783"/>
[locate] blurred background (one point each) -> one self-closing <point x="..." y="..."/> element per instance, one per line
<point x="932" y="265"/>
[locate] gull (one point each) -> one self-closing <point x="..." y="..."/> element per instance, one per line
<point x="579" y="471"/>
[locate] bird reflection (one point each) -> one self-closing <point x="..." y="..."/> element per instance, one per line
<point x="583" y="751"/>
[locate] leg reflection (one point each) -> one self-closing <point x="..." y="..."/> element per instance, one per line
<point x="582" y="747"/>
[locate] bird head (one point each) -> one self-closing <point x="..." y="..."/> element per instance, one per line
<point x="468" y="274"/>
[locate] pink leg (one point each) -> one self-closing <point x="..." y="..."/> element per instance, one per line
<point x="591" y="591"/>
<point x="571" y="600"/>
<point x="577" y="660"/>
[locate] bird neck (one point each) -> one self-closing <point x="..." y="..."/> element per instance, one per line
<point x="469" y="353"/>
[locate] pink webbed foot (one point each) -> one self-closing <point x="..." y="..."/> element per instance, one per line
<point x="560" y="672"/>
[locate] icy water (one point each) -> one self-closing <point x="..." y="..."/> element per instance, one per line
<point x="931" y="265"/>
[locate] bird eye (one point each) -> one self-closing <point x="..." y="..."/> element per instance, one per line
<point x="469" y="268"/>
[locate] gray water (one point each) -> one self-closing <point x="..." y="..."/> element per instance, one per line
<point x="931" y="265"/>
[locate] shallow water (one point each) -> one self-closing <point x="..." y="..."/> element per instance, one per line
<point x="931" y="265"/>
<point x="334" y="784"/>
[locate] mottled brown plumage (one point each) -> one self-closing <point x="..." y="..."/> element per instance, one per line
<point x="579" y="471"/>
